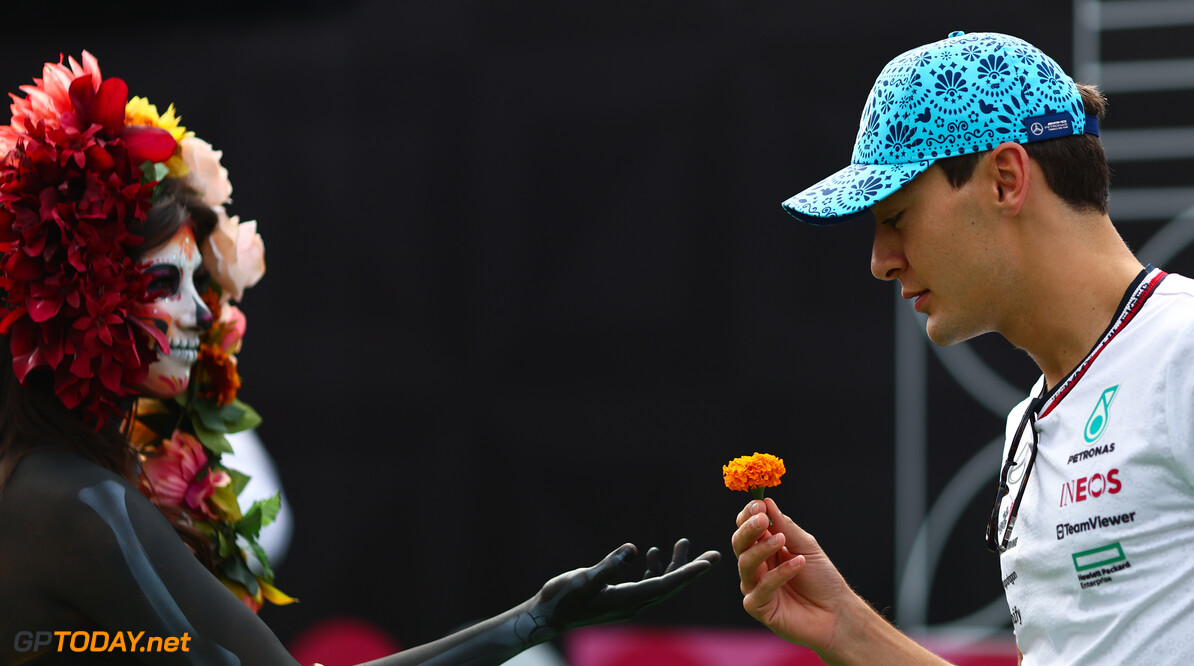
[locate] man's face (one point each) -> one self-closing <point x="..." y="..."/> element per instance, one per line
<point x="179" y="309"/>
<point x="947" y="249"/>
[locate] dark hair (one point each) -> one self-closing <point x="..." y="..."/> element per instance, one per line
<point x="32" y="415"/>
<point x="1075" y="167"/>
<point x="174" y="205"/>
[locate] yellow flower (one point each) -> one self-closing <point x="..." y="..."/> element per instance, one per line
<point x="138" y="111"/>
<point x="761" y="470"/>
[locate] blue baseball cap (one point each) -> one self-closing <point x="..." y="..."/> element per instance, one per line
<point x="964" y="94"/>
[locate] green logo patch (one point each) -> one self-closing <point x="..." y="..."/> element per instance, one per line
<point x="1098" y="557"/>
<point x="1096" y="425"/>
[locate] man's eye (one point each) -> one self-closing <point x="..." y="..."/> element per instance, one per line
<point x="893" y="220"/>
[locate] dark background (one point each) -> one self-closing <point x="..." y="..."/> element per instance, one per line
<point x="530" y="285"/>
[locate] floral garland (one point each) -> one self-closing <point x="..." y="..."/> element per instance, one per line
<point x="80" y="164"/>
<point x="181" y="442"/>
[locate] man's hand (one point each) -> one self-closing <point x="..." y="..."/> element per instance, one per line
<point x="788" y="583"/>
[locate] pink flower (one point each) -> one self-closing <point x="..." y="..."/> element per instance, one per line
<point x="231" y="328"/>
<point x="172" y="475"/>
<point x="207" y="176"/>
<point x="49" y="97"/>
<point x="234" y="255"/>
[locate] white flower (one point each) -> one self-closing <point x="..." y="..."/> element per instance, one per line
<point x="206" y="175"/>
<point x="234" y="255"/>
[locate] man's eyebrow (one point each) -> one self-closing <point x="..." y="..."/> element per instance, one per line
<point x="882" y="210"/>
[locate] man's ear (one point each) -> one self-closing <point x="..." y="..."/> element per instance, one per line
<point x="1010" y="169"/>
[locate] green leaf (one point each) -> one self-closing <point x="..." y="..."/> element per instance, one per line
<point x="209" y="414"/>
<point x="239" y="480"/>
<point x="225" y="549"/>
<point x="151" y="171"/>
<point x="214" y="441"/>
<point x="231" y="413"/>
<point x="248" y="419"/>
<point x="225" y="498"/>
<point x="236" y="569"/>
<point x="259" y="515"/>
<point x="266" y="572"/>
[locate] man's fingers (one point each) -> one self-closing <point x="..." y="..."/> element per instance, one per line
<point x="769" y="583"/>
<point x="748" y="533"/>
<point x="798" y="540"/>
<point x="752" y="507"/>
<point x="751" y="559"/>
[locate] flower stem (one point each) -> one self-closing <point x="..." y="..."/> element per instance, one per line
<point x="757" y="493"/>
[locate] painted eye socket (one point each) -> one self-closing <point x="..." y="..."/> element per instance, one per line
<point x="164" y="281"/>
<point x="201" y="279"/>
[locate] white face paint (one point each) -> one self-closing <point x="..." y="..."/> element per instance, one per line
<point x="179" y="309"/>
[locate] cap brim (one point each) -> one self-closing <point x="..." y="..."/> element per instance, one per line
<point x="850" y="192"/>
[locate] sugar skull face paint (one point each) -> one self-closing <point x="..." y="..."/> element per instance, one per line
<point x="178" y="310"/>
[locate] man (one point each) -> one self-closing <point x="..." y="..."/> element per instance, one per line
<point x="980" y="160"/>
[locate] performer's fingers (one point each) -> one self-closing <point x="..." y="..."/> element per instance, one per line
<point x="679" y="555"/>
<point x="609" y="568"/>
<point x="654" y="563"/>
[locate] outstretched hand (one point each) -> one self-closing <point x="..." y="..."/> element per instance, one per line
<point x="588" y="596"/>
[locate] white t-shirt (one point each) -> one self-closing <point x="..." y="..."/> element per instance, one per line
<point x="1100" y="564"/>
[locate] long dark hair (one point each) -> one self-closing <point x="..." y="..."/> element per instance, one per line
<point x="31" y="415"/>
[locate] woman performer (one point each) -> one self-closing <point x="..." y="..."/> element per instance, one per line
<point x="118" y="327"/>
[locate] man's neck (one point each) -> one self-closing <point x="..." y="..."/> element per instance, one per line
<point x="1076" y="286"/>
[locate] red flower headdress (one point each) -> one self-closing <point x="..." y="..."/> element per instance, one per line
<point x="75" y="182"/>
<point x="79" y="164"/>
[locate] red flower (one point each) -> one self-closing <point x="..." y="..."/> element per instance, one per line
<point x="71" y="198"/>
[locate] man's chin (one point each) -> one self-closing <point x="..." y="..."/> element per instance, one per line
<point x="944" y="335"/>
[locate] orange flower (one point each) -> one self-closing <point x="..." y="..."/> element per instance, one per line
<point x="218" y="377"/>
<point x="212" y="300"/>
<point x="762" y="470"/>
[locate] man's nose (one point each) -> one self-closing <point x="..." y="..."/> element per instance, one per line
<point x="887" y="254"/>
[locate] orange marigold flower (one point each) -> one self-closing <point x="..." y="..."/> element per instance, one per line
<point x="761" y="470"/>
<point x="212" y="300"/>
<point x="218" y="378"/>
